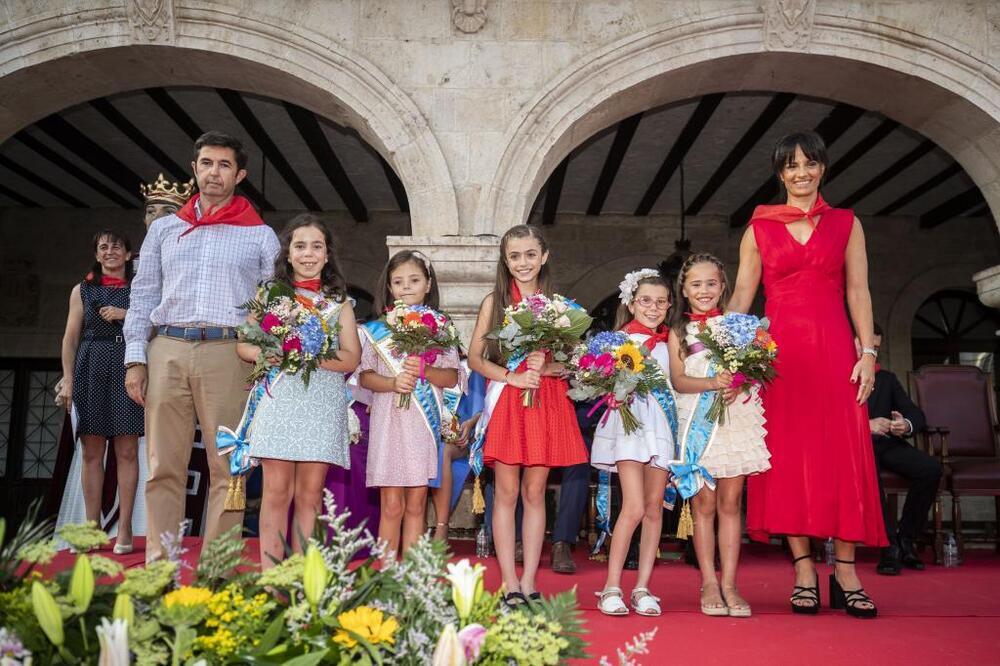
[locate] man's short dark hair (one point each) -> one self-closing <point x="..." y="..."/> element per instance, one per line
<point x="222" y="140"/>
<point x="878" y="329"/>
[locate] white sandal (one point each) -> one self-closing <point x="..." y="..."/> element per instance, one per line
<point x="646" y="604"/>
<point x="611" y="602"/>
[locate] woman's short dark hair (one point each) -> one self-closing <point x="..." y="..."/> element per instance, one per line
<point x="810" y="142"/>
<point x="115" y="236"/>
<point x="222" y="140"/>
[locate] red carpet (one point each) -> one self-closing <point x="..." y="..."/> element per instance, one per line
<point x="938" y="616"/>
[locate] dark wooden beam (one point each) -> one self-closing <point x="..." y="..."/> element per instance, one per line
<point x="73" y="170"/>
<point x="553" y="191"/>
<point x="695" y="124"/>
<point x="831" y="128"/>
<point x="246" y="117"/>
<point x="860" y="149"/>
<point x="623" y="137"/>
<point x="43" y="183"/>
<point x="764" y="122"/>
<point x="922" y="188"/>
<point x="18" y="197"/>
<point x="188" y="125"/>
<point x="90" y="152"/>
<point x="125" y="126"/>
<point x="982" y="211"/>
<point x="951" y="208"/>
<point x="890" y="172"/>
<point x="396" y="185"/>
<point x="314" y="137"/>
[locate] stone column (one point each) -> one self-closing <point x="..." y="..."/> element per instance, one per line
<point x="988" y="286"/>
<point x="465" y="267"/>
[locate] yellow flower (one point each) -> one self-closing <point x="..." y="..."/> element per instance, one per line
<point x="628" y="356"/>
<point x="368" y="623"/>
<point x="187" y="596"/>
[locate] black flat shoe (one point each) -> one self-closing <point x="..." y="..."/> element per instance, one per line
<point x="803" y="593"/>
<point x="850" y="600"/>
<point x="515" y="600"/>
<point x="535" y="596"/>
<point x="908" y="555"/>
<point x="889" y="564"/>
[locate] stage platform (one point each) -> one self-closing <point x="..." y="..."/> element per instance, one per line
<point x="938" y="616"/>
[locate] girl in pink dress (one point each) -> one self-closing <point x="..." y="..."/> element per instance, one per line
<point x="402" y="449"/>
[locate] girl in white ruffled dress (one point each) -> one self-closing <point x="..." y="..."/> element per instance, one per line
<point x="713" y="478"/>
<point x="641" y="458"/>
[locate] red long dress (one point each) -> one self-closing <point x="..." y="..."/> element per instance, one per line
<point x="823" y="479"/>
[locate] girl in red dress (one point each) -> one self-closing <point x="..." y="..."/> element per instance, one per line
<point x="522" y="443"/>
<point x="822" y="483"/>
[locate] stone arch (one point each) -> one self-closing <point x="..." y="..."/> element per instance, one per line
<point x="899" y="322"/>
<point x="931" y="86"/>
<point x="591" y="288"/>
<point x="55" y="61"/>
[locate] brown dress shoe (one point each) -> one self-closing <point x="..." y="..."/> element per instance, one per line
<point x="562" y="558"/>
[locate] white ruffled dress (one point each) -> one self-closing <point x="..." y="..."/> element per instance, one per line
<point x="738" y="447"/>
<point x="653" y="443"/>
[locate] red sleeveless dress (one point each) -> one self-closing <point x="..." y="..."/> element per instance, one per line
<point x="823" y="481"/>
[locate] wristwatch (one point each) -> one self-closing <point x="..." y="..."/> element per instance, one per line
<point x="870" y="350"/>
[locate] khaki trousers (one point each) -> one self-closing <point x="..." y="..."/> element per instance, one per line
<point x="189" y="380"/>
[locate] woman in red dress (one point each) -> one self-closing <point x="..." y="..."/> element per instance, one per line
<point x="522" y="443"/>
<point x="823" y="481"/>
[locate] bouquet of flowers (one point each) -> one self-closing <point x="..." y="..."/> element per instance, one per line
<point x="291" y="328"/>
<point x="540" y="323"/>
<point x="740" y="344"/>
<point x="613" y="369"/>
<point x="422" y="332"/>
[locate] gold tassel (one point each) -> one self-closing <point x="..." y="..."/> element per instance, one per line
<point x="685" y="526"/>
<point x="478" y="501"/>
<point x="236" y="496"/>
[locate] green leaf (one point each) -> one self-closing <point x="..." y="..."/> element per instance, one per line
<point x="308" y="659"/>
<point x="271" y="635"/>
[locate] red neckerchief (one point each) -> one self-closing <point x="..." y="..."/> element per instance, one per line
<point x="314" y="284"/>
<point x="787" y="214"/>
<point x="659" y="335"/>
<point x="113" y="282"/>
<point x="515" y="292"/>
<point x="702" y="318"/>
<point x="237" y="212"/>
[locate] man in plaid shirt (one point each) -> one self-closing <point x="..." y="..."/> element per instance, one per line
<point x="197" y="267"/>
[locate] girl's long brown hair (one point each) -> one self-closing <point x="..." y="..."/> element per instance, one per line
<point x="679" y="308"/>
<point x="501" y="288"/>
<point x="623" y="316"/>
<point x="331" y="277"/>
<point x="383" y="292"/>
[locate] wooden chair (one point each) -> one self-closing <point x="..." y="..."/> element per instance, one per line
<point x="960" y="403"/>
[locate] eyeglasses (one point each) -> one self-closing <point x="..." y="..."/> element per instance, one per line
<point x="647" y="301"/>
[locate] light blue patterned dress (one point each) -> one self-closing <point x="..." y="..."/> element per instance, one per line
<point x="302" y="423"/>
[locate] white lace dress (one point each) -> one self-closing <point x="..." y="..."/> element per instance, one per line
<point x="653" y="443"/>
<point x="737" y="448"/>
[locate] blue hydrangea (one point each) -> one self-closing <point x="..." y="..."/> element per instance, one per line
<point x="604" y="340"/>
<point x="312" y="336"/>
<point x="742" y="328"/>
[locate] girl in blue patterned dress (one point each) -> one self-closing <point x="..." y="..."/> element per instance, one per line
<point x="298" y="431"/>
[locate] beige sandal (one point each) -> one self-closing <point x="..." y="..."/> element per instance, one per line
<point x="738" y="610"/>
<point x="611" y="602"/>
<point x="712" y="609"/>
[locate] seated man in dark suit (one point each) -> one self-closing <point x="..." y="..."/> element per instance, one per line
<point x="893" y="417"/>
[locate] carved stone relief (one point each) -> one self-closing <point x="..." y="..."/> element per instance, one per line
<point x="151" y="20"/>
<point x="788" y="23"/>
<point x="468" y="15"/>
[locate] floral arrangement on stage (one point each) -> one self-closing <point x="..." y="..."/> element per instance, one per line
<point x="740" y="344"/>
<point x="540" y="323"/>
<point x="421" y="332"/>
<point x="314" y="608"/>
<point x="613" y="370"/>
<point x="289" y="327"/>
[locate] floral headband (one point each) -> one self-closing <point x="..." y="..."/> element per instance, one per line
<point x="627" y="287"/>
<point x="420" y="255"/>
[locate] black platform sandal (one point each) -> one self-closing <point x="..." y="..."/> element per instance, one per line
<point x="802" y="593"/>
<point x="515" y="600"/>
<point x="850" y="600"/>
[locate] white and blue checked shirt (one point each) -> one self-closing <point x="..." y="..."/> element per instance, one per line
<point x="200" y="279"/>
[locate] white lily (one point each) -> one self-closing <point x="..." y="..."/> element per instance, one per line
<point x="449" y="651"/>
<point x="466" y="586"/>
<point x="113" y="637"/>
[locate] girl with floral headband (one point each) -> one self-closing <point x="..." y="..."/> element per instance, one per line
<point x="641" y="457"/>
<point x="724" y="453"/>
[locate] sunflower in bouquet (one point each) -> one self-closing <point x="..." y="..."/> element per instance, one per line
<point x="540" y="323"/>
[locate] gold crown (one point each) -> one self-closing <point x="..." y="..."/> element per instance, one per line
<point x="163" y="191"/>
